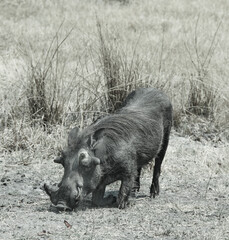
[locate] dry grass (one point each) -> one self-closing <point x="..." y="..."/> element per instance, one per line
<point x="51" y="80"/>
<point x="203" y="93"/>
<point x="121" y="74"/>
<point x="44" y="92"/>
<point x="49" y="76"/>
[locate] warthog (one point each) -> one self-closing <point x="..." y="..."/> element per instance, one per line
<point x="113" y="148"/>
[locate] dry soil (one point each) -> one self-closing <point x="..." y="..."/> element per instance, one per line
<point x="193" y="203"/>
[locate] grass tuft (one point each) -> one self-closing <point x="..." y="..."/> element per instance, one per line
<point x="45" y="93"/>
<point x="202" y="95"/>
<point x="121" y="74"/>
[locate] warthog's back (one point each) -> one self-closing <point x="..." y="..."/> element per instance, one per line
<point x="152" y="102"/>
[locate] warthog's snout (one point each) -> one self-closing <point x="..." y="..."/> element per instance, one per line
<point x="64" y="199"/>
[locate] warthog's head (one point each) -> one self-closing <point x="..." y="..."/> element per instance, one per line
<point x="82" y="173"/>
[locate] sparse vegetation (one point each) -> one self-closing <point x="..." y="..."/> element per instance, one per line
<point x="89" y="72"/>
<point x="65" y="63"/>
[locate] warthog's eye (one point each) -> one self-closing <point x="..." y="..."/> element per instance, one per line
<point x="82" y="156"/>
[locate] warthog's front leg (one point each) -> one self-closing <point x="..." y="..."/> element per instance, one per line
<point x="98" y="198"/>
<point x="124" y="192"/>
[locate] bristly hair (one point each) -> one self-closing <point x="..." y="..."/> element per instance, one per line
<point x="123" y="126"/>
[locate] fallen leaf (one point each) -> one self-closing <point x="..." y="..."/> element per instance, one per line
<point x="68" y="225"/>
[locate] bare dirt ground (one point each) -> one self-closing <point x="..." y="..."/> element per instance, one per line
<point x="193" y="203"/>
<point x="180" y="46"/>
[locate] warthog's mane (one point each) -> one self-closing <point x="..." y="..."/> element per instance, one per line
<point x="123" y="126"/>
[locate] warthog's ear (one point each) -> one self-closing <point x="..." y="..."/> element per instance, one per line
<point x="93" y="139"/>
<point x="72" y="137"/>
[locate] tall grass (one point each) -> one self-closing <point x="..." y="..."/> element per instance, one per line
<point x="203" y="93"/>
<point x="121" y="74"/>
<point x="74" y="78"/>
<point x="44" y="92"/>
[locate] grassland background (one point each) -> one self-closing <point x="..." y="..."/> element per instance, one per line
<point x="172" y="45"/>
<point x="179" y="46"/>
